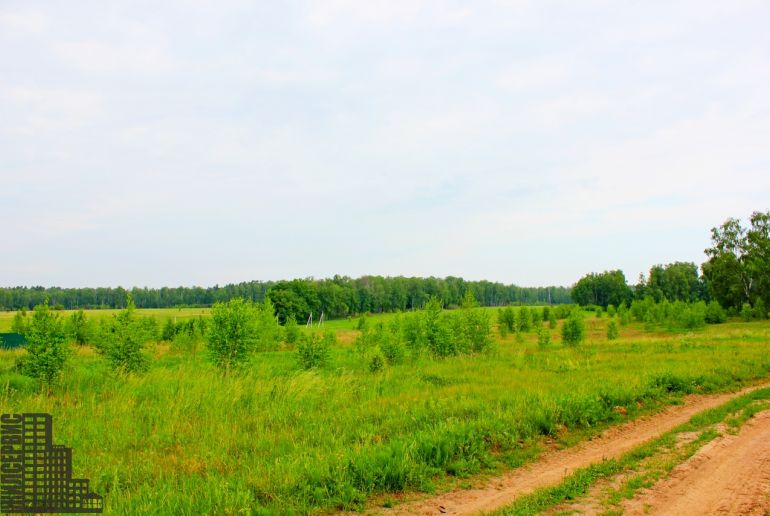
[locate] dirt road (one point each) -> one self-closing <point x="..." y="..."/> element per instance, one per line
<point x="552" y="467"/>
<point x="730" y="475"/>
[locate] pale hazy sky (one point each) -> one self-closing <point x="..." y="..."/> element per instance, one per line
<point x="191" y="142"/>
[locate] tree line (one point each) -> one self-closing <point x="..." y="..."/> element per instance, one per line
<point x="336" y="297"/>
<point x="736" y="274"/>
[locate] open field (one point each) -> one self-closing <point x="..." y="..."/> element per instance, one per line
<point x="183" y="438"/>
<point x="159" y="313"/>
<point x="180" y="314"/>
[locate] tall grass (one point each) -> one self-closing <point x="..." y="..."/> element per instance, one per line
<point x="183" y="438"/>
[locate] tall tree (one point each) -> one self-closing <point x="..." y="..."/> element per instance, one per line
<point x="676" y="281"/>
<point x="738" y="269"/>
<point x="601" y="289"/>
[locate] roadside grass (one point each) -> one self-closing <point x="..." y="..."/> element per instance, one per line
<point x="183" y="438"/>
<point x="643" y="466"/>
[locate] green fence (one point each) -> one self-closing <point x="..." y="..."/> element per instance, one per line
<point x="11" y="340"/>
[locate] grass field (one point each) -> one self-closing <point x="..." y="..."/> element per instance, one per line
<point x="160" y="313"/>
<point x="184" y="439"/>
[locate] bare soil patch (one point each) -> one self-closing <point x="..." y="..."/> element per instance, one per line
<point x="729" y="475"/>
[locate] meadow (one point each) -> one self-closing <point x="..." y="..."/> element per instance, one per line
<point x="184" y="438"/>
<point x="179" y="314"/>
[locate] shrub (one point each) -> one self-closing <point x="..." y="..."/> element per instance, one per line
<point x="612" y="330"/>
<point x="760" y="311"/>
<point x="77" y="327"/>
<point x="313" y="350"/>
<point x="169" y="330"/>
<point x="746" y="312"/>
<point x="186" y="342"/>
<point x="564" y="311"/>
<point x="552" y="321"/>
<point x="543" y="337"/>
<point x="377" y="363"/>
<point x="573" y="330"/>
<point x="694" y="316"/>
<point x="268" y="331"/>
<point x="506" y="317"/>
<point x="475" y="324"/>
<point x="525" y="319"/>
<point x="291" y="332"/>
<point x="437" y="331"/>
<point x="122" y="338"/>
<point x="715" y="314"/>
<point x="413" y="331"/>
<point x="148" y="328"/>
<point x="233" y="333"/>
<point x="47" y="349"/>
<point x="19" y="322"/>
<point x="391" y="347"/>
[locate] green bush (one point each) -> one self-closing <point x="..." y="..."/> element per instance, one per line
<point x="506" y="319"/>
<point x="77" y="327"/>
<point x="392" y="348"/>
<point x="377" y="363"/>
<point x="760" y="311"/>
<point x="524" y="319"/>
<point x="313" y="349"/>
<point x="543" y="337"/>
<point x="169" y="330"/>
<point x="232" y="334"/>
<point x="552" y="321"/>
<point x="438" y="335"/>
<point x="747" y="314"/>
<point x="475" y="326"/>
<point x="573" y="330"/>
<point x="612" y="330"/>
<point x="121" y="340"/>
<point x="19" y="322"/>
<point x="715" y="314"/>
<point x="46" y="345"/>
<point x="291" y="331"/>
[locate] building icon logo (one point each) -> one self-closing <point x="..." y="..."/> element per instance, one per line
<point x="35" y="474"/>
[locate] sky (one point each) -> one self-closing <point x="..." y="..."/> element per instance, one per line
<point x="528" y="142"/>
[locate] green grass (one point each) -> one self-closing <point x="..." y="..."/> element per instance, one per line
<point x="184" y="439"/>
<point x="6" y="318"/>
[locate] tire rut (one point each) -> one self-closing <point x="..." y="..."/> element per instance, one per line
<point x="552" y="467"/>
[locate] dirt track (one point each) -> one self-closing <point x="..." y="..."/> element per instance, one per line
<point x="730" y="475"/>
<point x="552" y="467"/>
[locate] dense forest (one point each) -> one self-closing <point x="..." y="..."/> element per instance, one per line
<point x="339" y="296"/>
